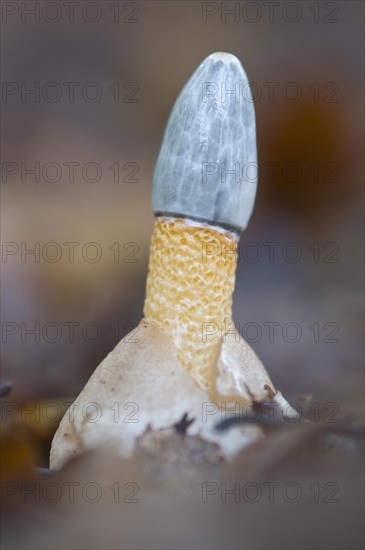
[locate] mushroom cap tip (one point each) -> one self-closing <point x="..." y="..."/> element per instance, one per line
<point x="207" y="166"/>
<point x="226" y="57"/>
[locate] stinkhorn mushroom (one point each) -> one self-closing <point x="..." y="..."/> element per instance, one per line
<point x="186" y="357"/>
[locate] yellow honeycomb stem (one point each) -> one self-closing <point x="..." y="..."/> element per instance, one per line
<point x="189" y="289"/>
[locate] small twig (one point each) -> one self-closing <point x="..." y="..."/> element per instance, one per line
<point x="182" y="426"/>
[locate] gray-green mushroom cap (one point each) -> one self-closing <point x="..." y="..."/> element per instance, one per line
<point x="207" y="166"/>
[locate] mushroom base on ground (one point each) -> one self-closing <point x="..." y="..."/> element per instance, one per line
<point x="141" y="389"/>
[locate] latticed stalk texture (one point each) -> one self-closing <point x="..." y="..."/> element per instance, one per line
<point x="189" y="290"/>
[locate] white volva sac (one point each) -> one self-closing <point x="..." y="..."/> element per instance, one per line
<point x="207" y="165"/>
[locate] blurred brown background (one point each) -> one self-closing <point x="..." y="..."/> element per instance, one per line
<point x="104" y="77"/>
<point x="305" y="63"/>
